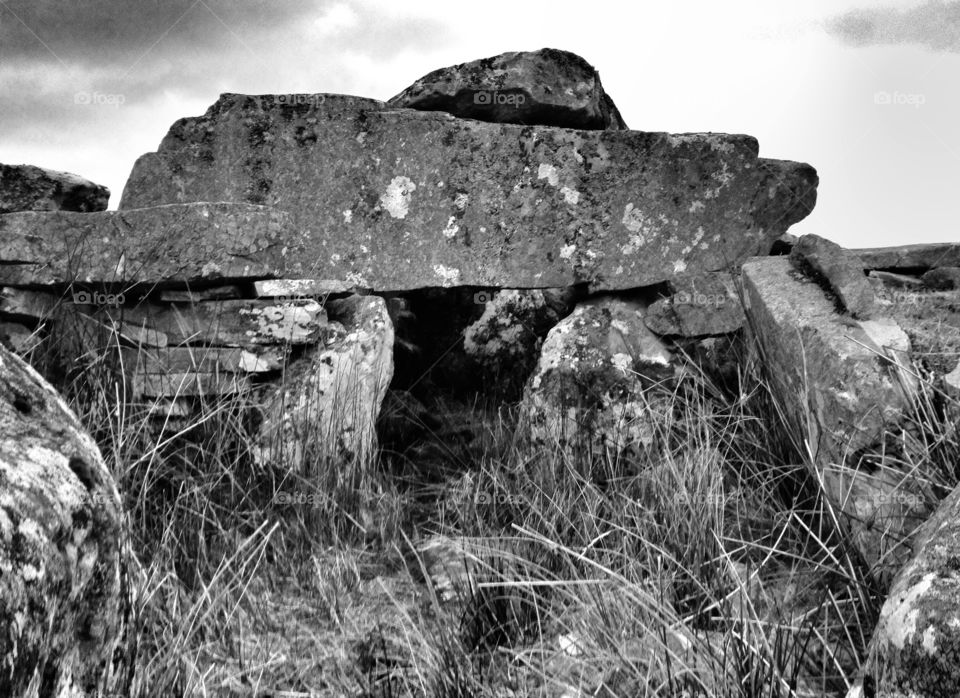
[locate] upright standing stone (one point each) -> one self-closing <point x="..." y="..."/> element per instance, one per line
<point x="843" y="384"/>
<point x="590" y="392"/>
<point x="326" y="406"/>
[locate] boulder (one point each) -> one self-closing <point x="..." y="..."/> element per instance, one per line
<point x="200" y="242"/>
<point x="29" y="188"/>
<point x="543" y="88"/>
<point x="398" y="199"/>
<point x="506" y="339"/>
<point x="700" y="306"/>
<point x="19" y="339"/>
<point x="594" y="387"/>
<point x="912" y="257"/>
<point x="62" y="553"/>
<point x="843" y="383"/>
<point x="326" y="405"/>
<point x="916" y="641"/>
<point x="943" y="278"/>
<point x="840" y="271"/>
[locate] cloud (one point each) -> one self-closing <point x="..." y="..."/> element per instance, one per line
<point x="78" y="61"/>
<point x="121" y="31"/>
<point x="935" y="24"/>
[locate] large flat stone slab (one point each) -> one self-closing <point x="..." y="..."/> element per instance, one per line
<point x="397" y="199"/>
<point x="29" y="188"/>
<point x="195" y="242"/>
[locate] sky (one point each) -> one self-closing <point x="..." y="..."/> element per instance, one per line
<point x="869" y="94"/>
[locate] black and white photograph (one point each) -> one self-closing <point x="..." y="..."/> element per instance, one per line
<point x="364" y="349"/>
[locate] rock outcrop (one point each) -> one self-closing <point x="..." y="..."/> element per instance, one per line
<point x="397" y="199"/>
<point x="29" y="188"/>
<point x="62" y="549"/>
<point x="593" y="391"/>
<point x="537" y="88"/>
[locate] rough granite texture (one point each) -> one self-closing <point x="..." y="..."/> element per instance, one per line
<point x="591" y="390"/>
<point x="843" y="383"/>
<point x="397" y="199"/>
<point x="548" y="87"/>
<point x="508" y="336"/>
<point x="700" y="306"/>
<point x="327" y="405"/>
<point x="915" y="650"/>
<point x="29" y="188"/>
<point x="195" y="242"/>
<point x="61" y="544"/>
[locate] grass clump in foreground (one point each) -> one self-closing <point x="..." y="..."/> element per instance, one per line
<point x="707" y="565"/>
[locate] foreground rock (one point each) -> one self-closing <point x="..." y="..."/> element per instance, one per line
<point x="916" y="642"/>
<point x="197" y="242"/>
<point x="593" y="390"/>
<point x="840" y="271"/>
<point x="61" y="551"/>
<point x="395" y="200"/>
<point x="325" y="408"/>
<point x="29" y="188"/>
<point x="844" y="384"/>
<point x="546" y="87"/>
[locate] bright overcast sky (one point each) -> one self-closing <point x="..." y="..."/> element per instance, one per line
<point x="868" y="94"/>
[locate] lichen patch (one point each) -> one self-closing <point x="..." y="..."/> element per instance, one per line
<point x="396" y="199"/>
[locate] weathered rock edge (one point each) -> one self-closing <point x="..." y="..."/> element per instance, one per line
<point x="199" y="242"/>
